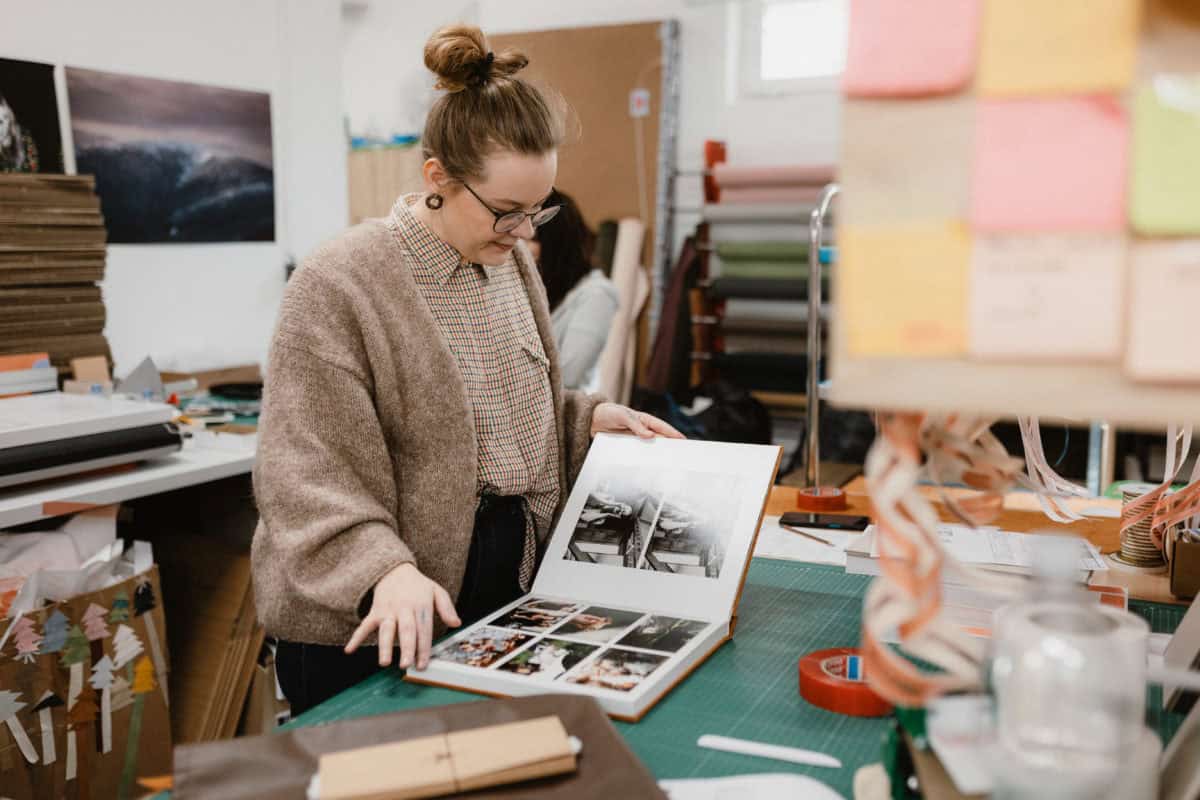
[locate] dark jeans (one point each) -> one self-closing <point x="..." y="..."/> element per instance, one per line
<point x="310" y="674"/>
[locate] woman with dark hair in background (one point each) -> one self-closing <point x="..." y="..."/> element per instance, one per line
<point x="583" y="301"/>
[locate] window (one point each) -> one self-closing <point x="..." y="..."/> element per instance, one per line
<point x="790" y="45"/>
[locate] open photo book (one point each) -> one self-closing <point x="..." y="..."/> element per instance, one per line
<point x="638" y="585"/>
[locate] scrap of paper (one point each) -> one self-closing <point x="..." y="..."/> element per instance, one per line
<point x="905" y="161"/>
<point x="1164" y="281"/>
<point x="1059" y="47"/>
<point x="918" y="47"/>
<point x="1164" y="191"/>
<point x="1050" y="165"/>
<point x="903" y="289"/>
<point x="1047" y="297"/>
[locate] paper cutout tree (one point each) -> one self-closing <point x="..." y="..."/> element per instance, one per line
<point x="44" y="710"/>
<point x="76" y="649"/>
<point x="122" y="693"/>
<point x="55" y="631"/>
<point x="10" y="704"/>
<point x="27" y="640"/>
<point x="120" y="608"/>
<point x="143" y="684"/>
<point x="93" y="623"/>
<point x="74" y="654"/>
<point x="79" y="719"/>
<point x="143" y="601"/>
<point x="102" y="681"/>
<point x="126" y="646"/>
<point x="143" y="598"/>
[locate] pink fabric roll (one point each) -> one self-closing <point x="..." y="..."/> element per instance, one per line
<point x="771" y="194"/>
<point x="733" y="177"/>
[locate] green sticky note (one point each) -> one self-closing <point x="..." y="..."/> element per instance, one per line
<point x="1165" y="188"/>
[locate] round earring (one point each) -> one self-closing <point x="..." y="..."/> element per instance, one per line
<point x="433" y="201"/>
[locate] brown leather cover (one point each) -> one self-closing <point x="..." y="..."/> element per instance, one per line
<point x="279" y="766"/>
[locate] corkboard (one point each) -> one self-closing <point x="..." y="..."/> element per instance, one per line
<point x="594" y="69"/>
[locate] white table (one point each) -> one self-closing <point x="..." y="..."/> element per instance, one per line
<point x="196" y="463"/>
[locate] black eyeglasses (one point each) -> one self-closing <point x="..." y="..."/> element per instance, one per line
<point x="508" y="221"/>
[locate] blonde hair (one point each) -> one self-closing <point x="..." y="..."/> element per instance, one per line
<point x="485" y="107"/>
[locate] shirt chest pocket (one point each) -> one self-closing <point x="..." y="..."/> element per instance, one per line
<point x="535" y="356"/>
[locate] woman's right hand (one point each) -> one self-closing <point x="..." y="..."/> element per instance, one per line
<point x="403" y="607"/>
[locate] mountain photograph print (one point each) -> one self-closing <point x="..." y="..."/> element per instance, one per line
<point x="174" y="162"/>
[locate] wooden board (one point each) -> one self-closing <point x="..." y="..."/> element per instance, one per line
<point x="595" y="69"/>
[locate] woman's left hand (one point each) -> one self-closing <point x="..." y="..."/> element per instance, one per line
<point x="615" y="418"/>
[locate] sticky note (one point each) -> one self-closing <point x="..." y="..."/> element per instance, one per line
<point x="1047" y="297"/>
<point x="902" y="289"/>
<point x="1164" y="284"/>
<point x="1050" y="165"/>
<point x="1164" y="188"/>
<point x="915" y="47"/>
<point x="1057" y="46"/>
<point x="905" y="161"/>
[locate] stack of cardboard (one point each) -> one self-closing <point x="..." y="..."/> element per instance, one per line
<point x="51" y="257"/>
<point x="212" y="626"/>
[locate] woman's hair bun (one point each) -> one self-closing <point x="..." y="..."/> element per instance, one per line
<point x="460" y="57"/>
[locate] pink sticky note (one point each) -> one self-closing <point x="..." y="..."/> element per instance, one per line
<point x="1050" y="165"/>
<point x="914" y="47"/>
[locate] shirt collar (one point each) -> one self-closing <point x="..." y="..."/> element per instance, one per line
<point x="436" y="260"/>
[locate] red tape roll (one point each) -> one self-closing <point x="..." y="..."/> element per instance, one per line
<point x="835" y="681"/>
<point x="822" y="498"/>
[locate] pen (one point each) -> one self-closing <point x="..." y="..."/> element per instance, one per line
<point x="806" y="534"/>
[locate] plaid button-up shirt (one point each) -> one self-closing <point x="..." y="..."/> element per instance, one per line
<point x="485" y="316"/>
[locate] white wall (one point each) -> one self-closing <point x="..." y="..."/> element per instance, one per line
<point x="385" y="79"/>
<point x="204" y="306"/>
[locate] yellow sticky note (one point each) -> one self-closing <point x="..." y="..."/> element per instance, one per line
<point x="1057" y="46"/>
<point x="903" y="289"/>
<point x="1164" y="192"/>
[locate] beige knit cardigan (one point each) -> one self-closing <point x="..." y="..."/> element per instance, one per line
<point x="366" y="445"/>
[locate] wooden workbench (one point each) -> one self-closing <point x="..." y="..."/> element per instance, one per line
<point x="1022" y="513"/>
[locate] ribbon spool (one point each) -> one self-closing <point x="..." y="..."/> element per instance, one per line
<point x="835" y="680"/>
<point x="821" y="499"/>
<point x="1138" y="552"/>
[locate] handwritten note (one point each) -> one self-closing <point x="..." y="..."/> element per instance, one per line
<point x="1047" y="297"/>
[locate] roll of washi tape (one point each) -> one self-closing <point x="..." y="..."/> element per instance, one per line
<point x="835" y="680"/>
<point x="822" y="498"/>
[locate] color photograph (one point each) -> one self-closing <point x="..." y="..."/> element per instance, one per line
<point x="548" y="659"/>
<point x="30" y="140"/>
<point x="174" y="162"/>
<point x="671" y="522"/>
<point x="598" y="624"/>
<point x="481" y="647"/>
<point x="666" y="634"/>
<point x="528" y="617"/>
<point x="621" y="670"/>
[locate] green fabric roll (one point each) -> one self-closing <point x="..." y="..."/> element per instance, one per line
<point x="763" y="251"/>
<point x="766" y="269"/>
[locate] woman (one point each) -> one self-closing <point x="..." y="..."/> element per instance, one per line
<point x="583" y="301"/>
<point x="416" y="442"/>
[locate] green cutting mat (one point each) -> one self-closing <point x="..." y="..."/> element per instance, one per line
<point x="747" y="689"/>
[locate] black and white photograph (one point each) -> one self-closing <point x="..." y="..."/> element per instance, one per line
<point x="677" y="522"/>
<point x="531" y="617"/>
<point x="481" y="647"/>
<point x="598" y="624"/>
<point x="30" y="139"/>
<point x="665" y="634"/>
<point x="548" y="659"/>
<point x="621" y="670"/>
<point x="174" y="162"/>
